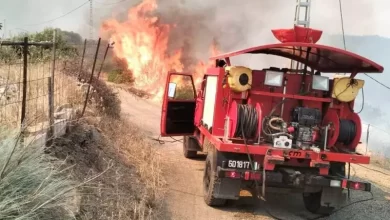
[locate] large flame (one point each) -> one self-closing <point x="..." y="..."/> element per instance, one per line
<point x="142" y="40"/>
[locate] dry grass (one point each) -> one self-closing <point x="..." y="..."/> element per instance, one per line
<point x="102" y="97"/>
<point x="132" y="186"/>
<point x="37" y="108"/>
<point x="380" y="160"/>
<point x="136" y="150"/>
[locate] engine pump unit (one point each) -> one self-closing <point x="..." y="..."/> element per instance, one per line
<point x="305" y="123"/>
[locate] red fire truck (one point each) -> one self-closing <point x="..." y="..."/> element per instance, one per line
<point x="274" y="127"/>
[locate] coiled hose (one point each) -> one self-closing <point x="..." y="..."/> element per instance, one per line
<point x="247" y="122"/>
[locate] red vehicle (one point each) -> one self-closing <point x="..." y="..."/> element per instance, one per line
<point x="274" y="127"/>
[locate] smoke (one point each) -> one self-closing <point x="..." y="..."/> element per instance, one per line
<point x="232" y="24"/>
<point x="240" y="24"/>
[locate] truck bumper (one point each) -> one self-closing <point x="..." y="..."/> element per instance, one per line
<point x="292" y="180"/>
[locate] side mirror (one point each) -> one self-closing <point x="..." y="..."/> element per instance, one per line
<point x="171" y="90"/>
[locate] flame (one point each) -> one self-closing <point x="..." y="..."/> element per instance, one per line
<point x="201" y="67"/>
<point x="142" y="41"/>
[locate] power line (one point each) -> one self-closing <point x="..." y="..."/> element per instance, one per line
<point x="44" y="22"/>
<point x="387" y="87"/>
<point x="377" y="128"/>
<point x="342" y="24"/>
<point x="113" y="3"/>
<point x="345" y="47"/>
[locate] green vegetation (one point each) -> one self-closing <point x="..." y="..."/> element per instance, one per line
<point x="120" y="73"/>
<point x="67" y="46"/>
<point x="118" y="76"/>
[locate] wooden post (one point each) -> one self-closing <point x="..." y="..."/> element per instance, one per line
<point x="50" y="130"/>
<point x="24" y="92"/>
<point x="54" y="59"/>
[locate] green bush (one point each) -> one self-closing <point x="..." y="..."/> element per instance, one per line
<point x="32" y="185"/>
<point x="118" y="76"/>
<point x="68" y="45"/>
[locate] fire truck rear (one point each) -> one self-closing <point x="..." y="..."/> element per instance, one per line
<point x="274" y="127"/>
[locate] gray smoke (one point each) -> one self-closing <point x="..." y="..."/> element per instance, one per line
<point x="240" y="24"/>
<point x="233" y="24"/>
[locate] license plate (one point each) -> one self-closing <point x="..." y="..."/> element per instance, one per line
<point x="239" y="164"/>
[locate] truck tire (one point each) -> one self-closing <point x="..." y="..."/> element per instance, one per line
<point x="312" y="203"/>
<point x="186" y="146"/>
<point x="209" y="181"/>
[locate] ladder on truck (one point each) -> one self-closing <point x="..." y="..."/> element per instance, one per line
<point x="302" y="9"/>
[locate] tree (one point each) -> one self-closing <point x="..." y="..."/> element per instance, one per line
<point x="66" y="43"/>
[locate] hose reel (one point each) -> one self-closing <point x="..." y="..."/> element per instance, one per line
<point x="346" y="131"/>
<point x="245" y="121"/>
<point x="239" y="78"/>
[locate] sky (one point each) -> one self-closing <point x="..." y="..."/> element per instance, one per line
<point x="361" y="17"/>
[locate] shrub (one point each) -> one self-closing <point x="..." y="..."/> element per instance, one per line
<point x="32" y="186"/>
<point x="117" y="76"/>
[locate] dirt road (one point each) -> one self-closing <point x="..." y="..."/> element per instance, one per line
<point x="184" y="178"/>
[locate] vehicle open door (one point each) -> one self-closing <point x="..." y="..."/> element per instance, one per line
<point x="178" y="108"/>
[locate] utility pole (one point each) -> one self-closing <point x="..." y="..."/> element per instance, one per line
<point x="90" y="19"/>
<point x="5" y="29"/>
<point x="301" y="6"/>
<point x="367" y="137"/>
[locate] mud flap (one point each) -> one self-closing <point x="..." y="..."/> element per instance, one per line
<point x="333" y="197"/>
<point x="193" y="144"/>
<point x="227" y="188"/>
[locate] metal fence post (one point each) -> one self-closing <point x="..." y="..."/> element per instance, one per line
<point x="82" y="59"/>
<point x="90" y="80"/>
<point x="104" y="58"/>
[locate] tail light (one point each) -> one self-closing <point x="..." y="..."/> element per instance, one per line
<point x="252" y="176"/>
<point x="358" y="186"/>
<point x="233" y="174"/>
<point x="247" y="175"/>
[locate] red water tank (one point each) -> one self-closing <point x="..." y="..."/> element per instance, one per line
<point x="297" y="34"/>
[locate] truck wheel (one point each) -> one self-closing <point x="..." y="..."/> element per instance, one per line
<point x="186" y="145"/>
<point x="209" y="181"/>
<point x="312" y="202"/>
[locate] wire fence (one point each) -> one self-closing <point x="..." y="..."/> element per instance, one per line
<point x="38" y="80"/>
